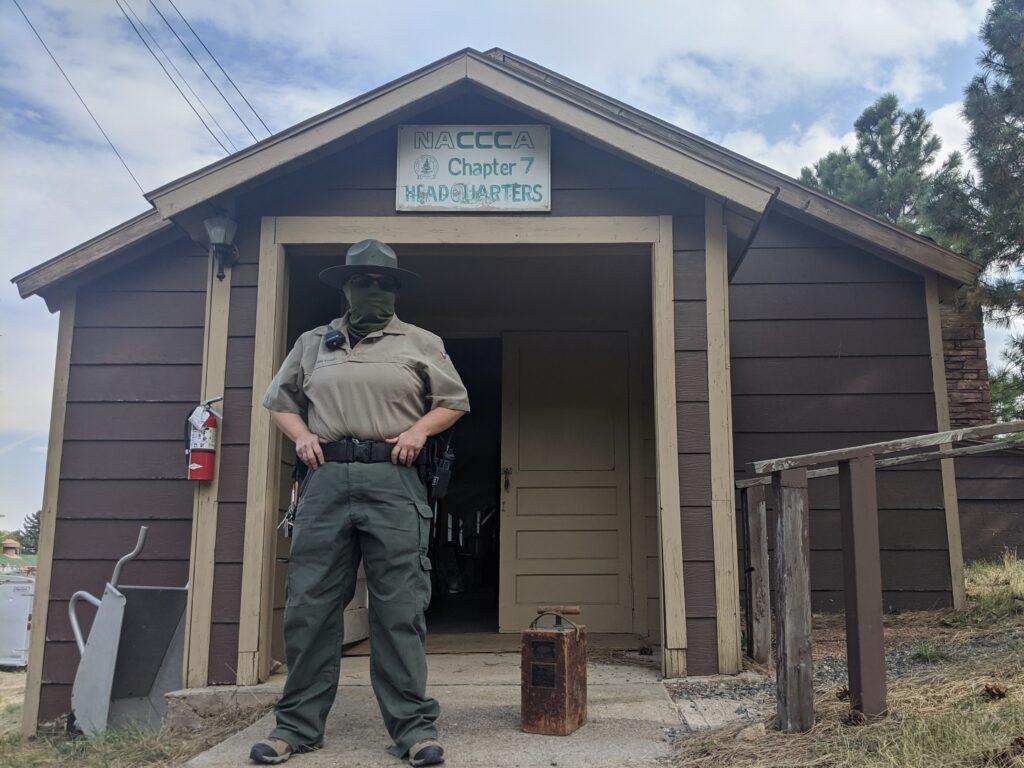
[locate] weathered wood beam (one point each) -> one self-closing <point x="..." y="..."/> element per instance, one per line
<point x="794" y="688"/>
<point x="889" y="446"/>
<point x="899" y="461"/>
<point x="758" y="618"/>
<point x="862" y="585"/>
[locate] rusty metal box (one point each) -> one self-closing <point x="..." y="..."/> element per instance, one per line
<point x="554" y="677"/>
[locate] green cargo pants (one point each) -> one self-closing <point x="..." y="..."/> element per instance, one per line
<point x="347" y="511"/>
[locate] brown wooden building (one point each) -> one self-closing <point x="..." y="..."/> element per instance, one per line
<point x="677" y="312"/>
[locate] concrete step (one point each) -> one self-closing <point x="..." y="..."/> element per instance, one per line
<point x="630" y="716"/>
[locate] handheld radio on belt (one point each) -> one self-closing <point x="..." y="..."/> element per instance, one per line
<point x="441" y="471"/>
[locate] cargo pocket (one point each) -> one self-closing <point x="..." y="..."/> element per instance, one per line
<point x="426" y="517"/>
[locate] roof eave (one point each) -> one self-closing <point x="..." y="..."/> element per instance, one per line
<point x="104" y="245"/>
<point x="673" y="151"/>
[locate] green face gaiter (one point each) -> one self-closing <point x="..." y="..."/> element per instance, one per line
<point x="370" y="308"/>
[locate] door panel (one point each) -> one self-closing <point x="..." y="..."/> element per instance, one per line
<point x="565" y="525"/>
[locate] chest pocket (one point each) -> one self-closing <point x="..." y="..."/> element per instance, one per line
<point x="382" y="378"/>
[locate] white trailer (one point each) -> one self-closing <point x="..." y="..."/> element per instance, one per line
<point x="15" y="619"/>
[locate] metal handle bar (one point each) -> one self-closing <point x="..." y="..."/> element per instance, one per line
<point x="80" y="595"/>
<point x="95" y="601"/>
<point x="130" y="556"/>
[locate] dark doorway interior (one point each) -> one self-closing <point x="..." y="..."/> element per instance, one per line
<point x="464" y="546"/>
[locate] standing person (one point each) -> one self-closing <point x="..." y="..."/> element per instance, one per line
<point x="359" y="397"/>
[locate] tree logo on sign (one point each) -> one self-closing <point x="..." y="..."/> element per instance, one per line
<point x="425" y="167"/>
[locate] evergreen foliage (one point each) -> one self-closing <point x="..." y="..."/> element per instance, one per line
<point x="892" y="174"/>
<point x="29" y="534"/>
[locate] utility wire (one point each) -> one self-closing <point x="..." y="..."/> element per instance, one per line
<point x="181" y="77"/>
<point x="72" y="86"/>
<point x="203" y="70"/>
<point x="210" y="53"/>
<point x="169" y="77"/>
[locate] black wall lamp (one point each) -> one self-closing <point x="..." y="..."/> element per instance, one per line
<point x="220" y="230"/>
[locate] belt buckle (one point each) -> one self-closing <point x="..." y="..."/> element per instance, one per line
<point x="361" y="450"/>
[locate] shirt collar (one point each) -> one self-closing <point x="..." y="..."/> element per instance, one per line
<point x="395" y="327"/>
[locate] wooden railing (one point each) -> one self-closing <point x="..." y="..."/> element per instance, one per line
<point x="862" y="579"/>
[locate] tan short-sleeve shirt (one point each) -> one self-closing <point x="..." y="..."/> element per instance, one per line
<point x="372" y="392"/>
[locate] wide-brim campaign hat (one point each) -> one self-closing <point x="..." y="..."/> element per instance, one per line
<point x="369" y="255"/>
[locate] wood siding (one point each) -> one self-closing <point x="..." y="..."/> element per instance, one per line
<point x="136" y="360"/>
<point x="991" y="493"/>
<point x="829" y="349"/>
<point x="694" y="447"/>
<point x="585" y="181"/>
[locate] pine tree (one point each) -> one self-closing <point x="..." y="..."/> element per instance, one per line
<point x="979" y="215"/>
<point x="994" y="215"/>
<point x="29" y="534"/>
<point x="887" y="174"/>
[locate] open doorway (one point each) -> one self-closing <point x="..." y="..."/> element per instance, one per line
<point x="553" y="344"/>
<point x="466" y="537"/>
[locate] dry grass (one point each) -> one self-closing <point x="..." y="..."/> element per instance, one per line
<point x="12" y="691"/>
<point x="947" y="710"/>
<point x="117" y="748"/>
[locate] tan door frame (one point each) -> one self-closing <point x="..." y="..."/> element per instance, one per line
<point x="276" y="233"/>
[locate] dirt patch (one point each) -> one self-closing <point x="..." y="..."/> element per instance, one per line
<point x="955" y="683"/>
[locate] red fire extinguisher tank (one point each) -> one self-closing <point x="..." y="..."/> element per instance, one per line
<point x="202" y="442"/>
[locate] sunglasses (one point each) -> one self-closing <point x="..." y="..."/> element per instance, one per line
<point x="384" y="282"/>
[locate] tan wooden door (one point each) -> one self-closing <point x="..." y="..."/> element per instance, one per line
<point x="565" y="486"/>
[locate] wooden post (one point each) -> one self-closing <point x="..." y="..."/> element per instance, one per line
<point x="862" y="584"/>
<point x="794" y="689"/>
<point x="202" y="552"/>
<point x="666" y="452"/>
<point x="258" y="553"/>
<point x="723" y="487"/>
<point x="950" y="501"/>
<point x="748" y="610"/>
<point x="759" y="630"/>
<point x="48" y="519"/>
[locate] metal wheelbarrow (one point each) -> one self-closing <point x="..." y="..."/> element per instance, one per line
<point x="133" y="654"/>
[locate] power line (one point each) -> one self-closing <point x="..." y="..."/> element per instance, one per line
<point x="210" y="53"/>
<point x="203" y="70"/>
<point x="166" y="72"/>
<point x="178" y="73"/>
<point x="72" y="86"/>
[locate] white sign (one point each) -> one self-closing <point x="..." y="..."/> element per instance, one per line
<point x="474" y="168"/>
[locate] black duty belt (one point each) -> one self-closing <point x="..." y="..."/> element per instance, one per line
<point x="365" y="451"/>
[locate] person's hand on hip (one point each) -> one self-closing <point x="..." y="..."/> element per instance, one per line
<point x="307" y="448"/>
<point x="407" y="446"/>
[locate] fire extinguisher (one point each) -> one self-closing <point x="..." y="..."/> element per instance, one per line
<point x="201" y="440"/>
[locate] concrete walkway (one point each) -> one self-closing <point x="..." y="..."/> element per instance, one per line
<point x="629" y="717"/>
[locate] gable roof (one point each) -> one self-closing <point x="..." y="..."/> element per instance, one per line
<point x="132" y="232"/>
<point x="746" y="187"/>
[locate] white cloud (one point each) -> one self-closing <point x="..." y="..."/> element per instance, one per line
<point x="790" y="153"/>
<point x="950" y="125"/>
<point x="997" y="340"/>
<point x="719" y="68"/>
<point x="745" y="56"/>
<point x="910" y="79"/>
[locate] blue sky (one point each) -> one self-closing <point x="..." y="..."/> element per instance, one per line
<point x="780" y="82"/>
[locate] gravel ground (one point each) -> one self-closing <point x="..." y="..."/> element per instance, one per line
<point x="754" y="693"/>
